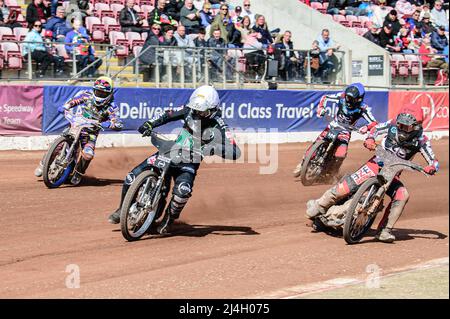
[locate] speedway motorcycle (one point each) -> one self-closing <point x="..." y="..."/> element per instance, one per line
<point x="146" y="198"/>
<point x="64" y="153"/>
<point x="318" y="162"/>
<point x="368" y="201"/>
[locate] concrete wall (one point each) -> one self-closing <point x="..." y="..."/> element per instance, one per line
<point x="306" y="25"/>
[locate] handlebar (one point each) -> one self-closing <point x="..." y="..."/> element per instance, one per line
<point x="349" y="127"/>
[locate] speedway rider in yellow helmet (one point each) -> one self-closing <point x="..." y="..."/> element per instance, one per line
<point x="99" y="104"/>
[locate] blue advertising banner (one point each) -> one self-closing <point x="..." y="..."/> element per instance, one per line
<point x="285" y="111"/>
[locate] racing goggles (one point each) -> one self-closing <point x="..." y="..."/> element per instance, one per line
<point x="101" y="93"/>
<point x="408" y="128"/>
<point x="203" y="114"/>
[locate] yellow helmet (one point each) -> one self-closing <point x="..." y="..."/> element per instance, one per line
<point x="103" y="91"/>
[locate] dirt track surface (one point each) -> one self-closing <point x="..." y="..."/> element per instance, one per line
<point x="242" y="234"/>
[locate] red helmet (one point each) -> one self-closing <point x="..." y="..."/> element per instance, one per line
<point x="48" y="34"/>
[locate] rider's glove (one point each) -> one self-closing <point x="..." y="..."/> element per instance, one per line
<point x="370" y="144"/>
<point x="321" y="111"/>
<point x="430" y="169"/>
<point x="106" y="124"/>
<point x="363" y="129"/>
<point x="145" y="129"/>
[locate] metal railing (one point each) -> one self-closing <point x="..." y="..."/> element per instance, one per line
<point x="72" y="76"/>
<point x="169" y="66"/>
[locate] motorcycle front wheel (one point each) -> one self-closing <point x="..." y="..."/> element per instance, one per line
<point x="53" y="173"/>
<point x="135" y="216"/>
<point x="312" y="169"/>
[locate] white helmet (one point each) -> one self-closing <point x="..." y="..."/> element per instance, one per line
<point x="204" y="102"/>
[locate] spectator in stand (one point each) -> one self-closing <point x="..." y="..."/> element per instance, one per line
<point x="182" y="39"/>
<point x="380" y="12"/>
<point x="392" y="19"/>
<point x="86" y="8"/>
<point x="425" y="9"/>
<point x="438" y="15"/>
<point x="247" y="12"/>
<point x="314" y="54"/>
<point x="387" y="39"/>
<point x="414" y="19"/>
<point x="327" y="48"/>
<point x="36" y="12"/>
<point x="206" y="16"/>
<point x="336" y="7"/>
<point x="77" y="41"/>
<point x="129" y="18"/>
<point x="427" y="26"/>
<point x="200" y="40"/>
<point x="244" y="28"/>
<point x="238" y="16"/>
<point x="373" y="35"/>
<point x="288" y="59"/>
<point x="73" y="12"/>
<point x="58" y="25"/>
<point x="429" y="58"/>
<point x="351" y="7"/>
<point x="8" y="18"/>
<point x="261" y="27"/>
<point x="439" y="40"/>
<point x="39" y="51"/>
<point x="169" y="37"/>
<point x="365" y="8"/>
<point x="223" y="22"/>
<point x="217" y="56"/>
<point x="148" y="57"/>
<point x="47" y="4"/>
<point x="198" y="4"/>
<point x="160" y="16"/>
<point x="404" y="7"/>
<point x="254" y="54"/>
<point x="190" y="17"/>
<point x="403" y="39"/>
<point x="173" y="8"/>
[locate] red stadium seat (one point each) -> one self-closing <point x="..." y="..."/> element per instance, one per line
<point x="413" y="64"/>
<point x="316" y="5"/>
<point x="339" y="17"/>
<point x="20" y="33"/>
<point x="111" y="24"/>
<point x="1" y="59"/>
<point x="133" y="38"/>
<point x="345" y="23"/>
<point x="5" y="32"/>
<point x="351" y="18"/>
<point x="11" y="3"/>
<point x="12" y="55"/>
<point x="116" y="8"/>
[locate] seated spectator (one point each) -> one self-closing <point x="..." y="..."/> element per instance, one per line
<point x="8" y="18"/>
<point x="77" y="41"/>
<point x="244" y="28"/>
<point x="200" y="40"/>
<point x="404" y="8"/>
<point x="365" y="9"/>
<point x="373" y="35"/>
<point x="427" y="26"/>
<point x="429" y="57"/>
<point x="442" y="77"/>
<point x="439" y="40"/>
<point x="51" y="49"/>
<point x="414" y="19"/>
<point x="327" y="48"/>
<point x="238" y="16"/>
<point x="254" y="54"/>
<point x="351" y="7"/>
<point x="392" y="19"/>
<point x="39" y="51"/>
<point x="387" y="39"/>
<point x="58" y="25"/>
<point x="425" y="9"/>
<point x="148" y="53"/>
<point x="173" y="8"/>
<point x="160" y="16"/>
<point x="336" y="7"/>
<point x="223" y="22"/>
<point x="217" y="56"/>
<point x="206" y="16"/>
<point x="73" y="12"/>
<point x="129" y="18"/>
<point x="190" y="17"/>
<point x="380" y="12"/>
<point x="182" y="39"/>
<point x="47" y="4"/>
<point x="403" y="39"/>
<point x="261" y="27"/>
<point x="438" y="15"/>
<point x="286" y="56"/>
<point x="247" y="12"/>
<point x="314" y="61"/>
<point x="36" y="12"/>
<point x="169" y="37"/>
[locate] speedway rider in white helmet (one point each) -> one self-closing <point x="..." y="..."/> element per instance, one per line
<point x="201" y="117"/>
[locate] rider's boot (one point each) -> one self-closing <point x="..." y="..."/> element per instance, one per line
<point x="298" y="169"/>
<point x="394" y="214"/>
<point x="321" y="205"/>
<point x="173" y="211"/>
<point x="79" y="171"/>
<point x="38" y="170"/>
<point x="114" y="218"/>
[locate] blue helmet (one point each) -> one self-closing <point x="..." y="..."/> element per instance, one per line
<point x="354" y="95"/>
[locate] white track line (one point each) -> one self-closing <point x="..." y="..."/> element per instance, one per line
<point x="303" y="290"/>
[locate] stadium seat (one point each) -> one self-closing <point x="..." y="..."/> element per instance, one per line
<point x="413" y="64"/>
<point x="116" y="8"/>
<point x="1" y="59"/>
<point x="144" y="36"/>
<point x="134" y="39"/>
<point x="13" y="57"/>
<point x="110" y="24"/>
<point x="146" y="2"/>
<point x="61" y="50"/>
<point x="11" y="3"/>
<point x="339" y="17"/>
<point x="146" y="9"/>
<point x="137" y="50"/>
<point x="20" y="33"/>
<point x="6" y="34"/>
<point x="316" y="5"/>
<point x="111" y="2"/>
